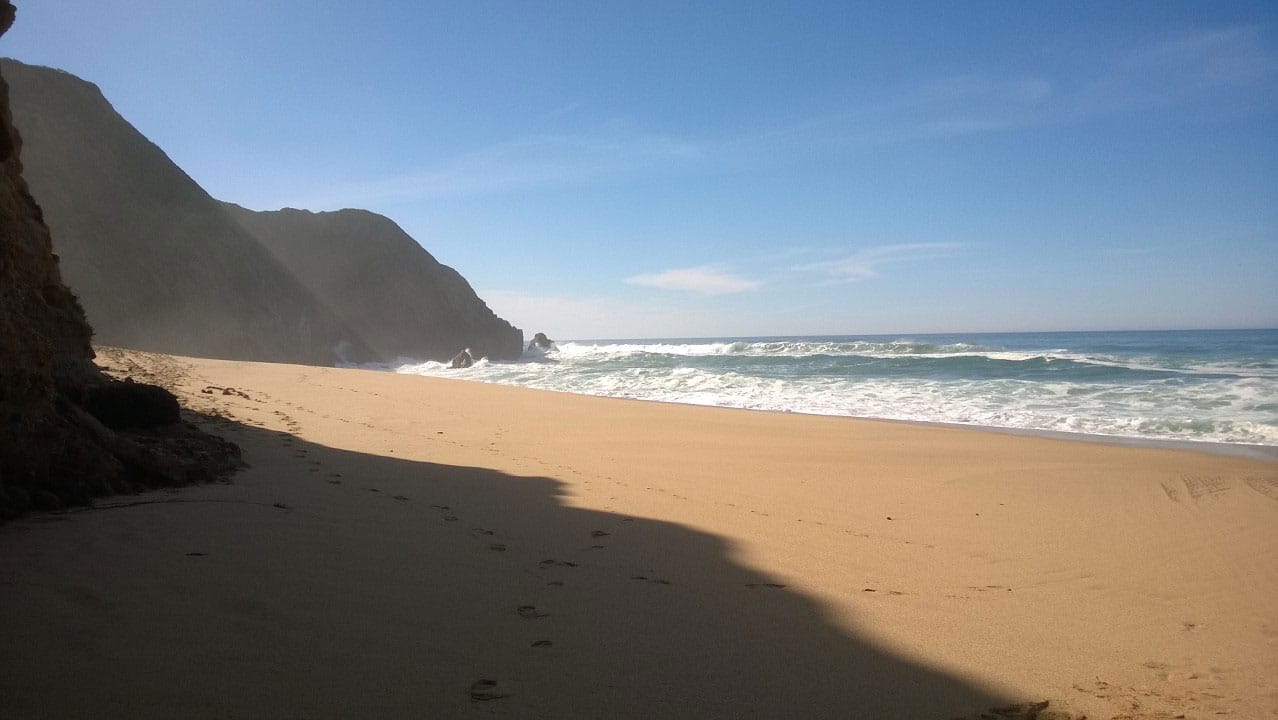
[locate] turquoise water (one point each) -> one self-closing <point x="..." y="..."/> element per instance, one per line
<point x="1214" y="386"/>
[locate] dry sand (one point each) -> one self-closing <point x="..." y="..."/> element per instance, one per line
<point x="412" y="547"/>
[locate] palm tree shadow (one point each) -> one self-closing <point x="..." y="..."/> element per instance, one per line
<point x="404" y="588"/>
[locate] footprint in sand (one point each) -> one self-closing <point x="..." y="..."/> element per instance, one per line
<point x="755" y="586"/>
<point x="481" y="531"/>
<point x="541" y="643"/>
<point x="655" y="581"/>
<point x="497" y="547"/>
<point x="401" y="498"/>
<point x="485" y="690"/>
<point x="445" y="512"/>
<point x="599" y="533"/>
<point x="558" y="563"/>
<point x="530" y="612"/>
<point x="196" y="554"/>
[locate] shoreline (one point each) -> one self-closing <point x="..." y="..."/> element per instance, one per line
<point x="1253" y="451"/>
<point x="404" y="545"/>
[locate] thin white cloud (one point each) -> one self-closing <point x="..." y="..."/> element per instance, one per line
<point x="1228" y="66"/>
<point x="865" y="263"/>
<point x="706" y="280"/>
<point x="519" y="165"/>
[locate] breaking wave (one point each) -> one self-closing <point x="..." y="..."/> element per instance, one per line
<point x="1171" y="386"/>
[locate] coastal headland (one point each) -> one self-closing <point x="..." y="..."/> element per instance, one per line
<point x="404" y="546"/>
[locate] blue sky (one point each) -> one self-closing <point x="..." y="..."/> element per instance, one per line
<point x="712" y="169"/>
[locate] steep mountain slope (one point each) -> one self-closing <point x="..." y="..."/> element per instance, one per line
<point x="378" y="279"/>
<point x="156" y="261"/>
<point x="54" y="449"/>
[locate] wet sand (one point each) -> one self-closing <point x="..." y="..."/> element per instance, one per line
<point x="405" y="546"/>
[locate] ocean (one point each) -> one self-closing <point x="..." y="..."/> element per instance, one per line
<point x="1212" y="386"/>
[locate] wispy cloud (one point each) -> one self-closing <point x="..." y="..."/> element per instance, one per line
<point x="865" y="263"/>
<point x="1074" y="87"/>
<point x="706" y="280"/>
<point x="523" y="164"/>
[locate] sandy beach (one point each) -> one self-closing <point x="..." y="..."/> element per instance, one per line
<point x="403" y="546"/>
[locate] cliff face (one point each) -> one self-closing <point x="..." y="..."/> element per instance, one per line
<point x="160" y="265"/>
<point x="376" y="278"/>
<point x="52" y="451"/>
<point x="44" y="344"/>
<point x="157" y="262"/>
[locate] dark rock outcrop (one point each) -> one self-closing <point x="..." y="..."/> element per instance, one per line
<point x="541" y="342"/>
<point x="462" y="359"/>
<point x="157" y="262"/>
<point x="160" y="265"/>
<point x="121" y="405"/>
<point x="376" y="278"/>
<point x="52" y="452"/>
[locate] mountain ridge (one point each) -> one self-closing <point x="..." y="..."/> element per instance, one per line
<point x="161" y="265"/>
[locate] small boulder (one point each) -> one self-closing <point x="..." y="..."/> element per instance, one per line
<point x="462" y="360"/>
<point x="121" y="405"/>
<point x="541" y="342"/>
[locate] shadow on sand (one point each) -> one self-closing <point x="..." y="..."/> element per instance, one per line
<point x="328" y="583"/>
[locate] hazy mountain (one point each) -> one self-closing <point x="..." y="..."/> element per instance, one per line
<point x="53" y="450"/>
<point x="161" y="265"/>
<point x="378" y="279"/>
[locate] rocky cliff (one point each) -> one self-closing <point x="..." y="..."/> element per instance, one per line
<point x="53" y="452"/>
<point x="160" y="265"/>
<point x="156" y="261"/>
<point x="378" y="279"/>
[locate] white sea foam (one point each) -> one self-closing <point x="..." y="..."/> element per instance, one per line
<point x="1219" y="402"/>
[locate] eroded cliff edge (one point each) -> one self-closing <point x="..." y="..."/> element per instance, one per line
<point x="53" y="452"/>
